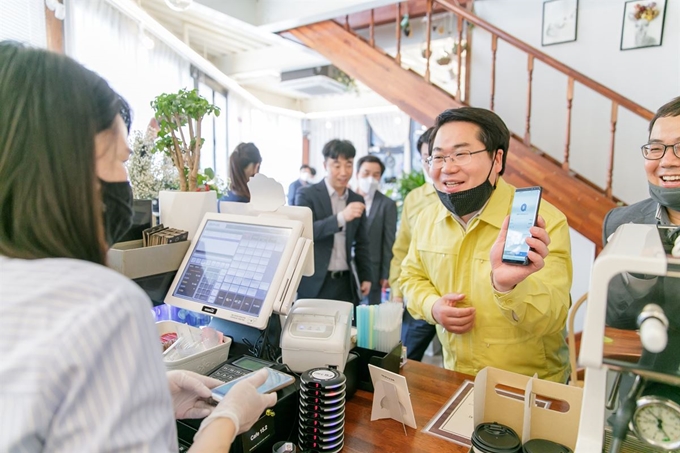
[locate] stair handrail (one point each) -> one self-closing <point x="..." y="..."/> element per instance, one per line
<point x="545" y="58"/>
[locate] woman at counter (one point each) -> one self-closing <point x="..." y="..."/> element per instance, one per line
<point x="244" y="163"/>
<point x="82" y="367"/>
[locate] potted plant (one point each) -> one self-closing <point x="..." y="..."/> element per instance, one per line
<point x="180" y="117"/>
<point x="405" y="184"/>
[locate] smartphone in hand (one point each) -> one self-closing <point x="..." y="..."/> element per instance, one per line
<point x="275" y="381"/>
<point x="523" y="216"/>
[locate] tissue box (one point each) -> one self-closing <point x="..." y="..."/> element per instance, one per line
<point x="522" y="415"/>
<point x="134" y="261"/>
<point x="203" y="362"/>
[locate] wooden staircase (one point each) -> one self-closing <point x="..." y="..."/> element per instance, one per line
<point x="584" y="206"/>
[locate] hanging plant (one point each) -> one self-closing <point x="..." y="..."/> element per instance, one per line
<point x="344" y="78"/>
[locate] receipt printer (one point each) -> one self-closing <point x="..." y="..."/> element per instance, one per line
<point x="317" y="334"/>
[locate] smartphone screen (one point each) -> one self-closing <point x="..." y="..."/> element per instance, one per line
<point x="275" y="381"/>
<point x="522" y="217"/>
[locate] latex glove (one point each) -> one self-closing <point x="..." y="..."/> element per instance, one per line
<point x="189" y="392"/>
<point x="243" y="404"/>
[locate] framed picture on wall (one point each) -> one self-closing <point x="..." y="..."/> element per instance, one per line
<point x="642" y="24"/>
<point x="559" y="21"/>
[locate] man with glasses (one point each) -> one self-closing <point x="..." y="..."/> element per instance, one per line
<point x="629" y="293"/>
<point x="488" y="313"/>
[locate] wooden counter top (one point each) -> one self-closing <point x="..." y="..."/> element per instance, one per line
<point x="430" y="387"/>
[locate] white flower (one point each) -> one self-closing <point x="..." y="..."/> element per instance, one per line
<point x="149" y="173"/>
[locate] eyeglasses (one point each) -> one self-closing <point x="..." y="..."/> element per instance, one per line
<point x="459" y="158"/>
<point x="656" y="151"/>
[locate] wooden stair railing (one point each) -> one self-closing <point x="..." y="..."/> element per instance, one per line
<point x="616" y="99"/>
<point x="583" y="205"/>
<point x="464" y="18"/>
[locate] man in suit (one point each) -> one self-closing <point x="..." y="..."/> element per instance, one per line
<point x="339" y="226"/>
<point x="382" y="223"/>
<point x="307" y="173"/>
<point x="629" y="293"/>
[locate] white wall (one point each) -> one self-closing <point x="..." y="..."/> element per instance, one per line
<point x="649" y="76"/>
<point x="23" y="21"/>
<point x="582" y="256"/>
<point x="244" y="10"/>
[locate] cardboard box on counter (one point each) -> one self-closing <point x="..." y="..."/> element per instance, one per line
<point x="522" y="414"/>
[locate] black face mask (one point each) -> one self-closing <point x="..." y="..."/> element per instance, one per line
<point x="471" y="200"/>
<point x="117" y="198"/>
<point x="668" y="198"/>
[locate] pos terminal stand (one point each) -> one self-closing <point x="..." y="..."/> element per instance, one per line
<point x="650" y="403"/>
<point x="244" y="266"/>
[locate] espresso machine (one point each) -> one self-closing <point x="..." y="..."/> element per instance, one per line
<point x="647" y="391"/>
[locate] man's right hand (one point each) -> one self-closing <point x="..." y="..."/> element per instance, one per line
<point x="454" y="320"/>
<point x="353" y="211"/>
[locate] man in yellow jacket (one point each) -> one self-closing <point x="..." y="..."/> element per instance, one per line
<point x="416" y="334"/>
<point x="488" y="313"/>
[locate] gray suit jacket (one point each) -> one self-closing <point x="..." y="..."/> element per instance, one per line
<point x="316" y="198"/>
<point x="382" y="228"/>
<point x="623" y="307"/>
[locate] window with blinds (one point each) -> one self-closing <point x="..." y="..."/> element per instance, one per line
<point x="23" y="21"/>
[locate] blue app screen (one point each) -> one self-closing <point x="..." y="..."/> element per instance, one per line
<point x="522" y="218"/>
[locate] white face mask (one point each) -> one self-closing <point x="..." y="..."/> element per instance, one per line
<point x="305" y="176"/>
<point x="368" y="186"/>
<point x="428" y="179"/>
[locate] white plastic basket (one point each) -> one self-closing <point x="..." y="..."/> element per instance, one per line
<point x="201" y="363"/>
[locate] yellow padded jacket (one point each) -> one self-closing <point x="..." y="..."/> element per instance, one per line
<point x="522" y="330"/>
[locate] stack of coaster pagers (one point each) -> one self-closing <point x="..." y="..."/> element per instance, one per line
<point x="322" y="410"/>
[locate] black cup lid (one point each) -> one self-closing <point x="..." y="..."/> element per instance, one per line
<point x="544" y="446"/>
<point x="495" y="438"/>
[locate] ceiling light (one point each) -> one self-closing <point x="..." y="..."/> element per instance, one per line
<point x="179" y="5"/>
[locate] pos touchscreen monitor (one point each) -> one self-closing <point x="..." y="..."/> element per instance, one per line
<point x="236" y="267"/>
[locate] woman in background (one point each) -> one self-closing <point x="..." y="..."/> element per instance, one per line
<point x="244" y="163"/>
<point x="82" y="368"/>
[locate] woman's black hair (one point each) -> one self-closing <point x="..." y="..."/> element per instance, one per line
<point x="51" y="109"/>
<point x="244" y="154"/>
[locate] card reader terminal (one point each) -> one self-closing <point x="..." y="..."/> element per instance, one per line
<point x="229" y="371"/>
<point x="279" y="425"/>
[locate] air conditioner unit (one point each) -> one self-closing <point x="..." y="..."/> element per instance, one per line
<point x="317" y="81"/>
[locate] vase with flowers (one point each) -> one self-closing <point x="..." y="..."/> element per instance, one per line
<point x="642" y="15"/>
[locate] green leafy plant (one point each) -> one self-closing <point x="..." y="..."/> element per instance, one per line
<point x="349" y="83"/>
<point x="179" y="117"/>
<point x="408" y="182"/>
<point x="405" y="184"/>
<point x="207" y="180"/>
